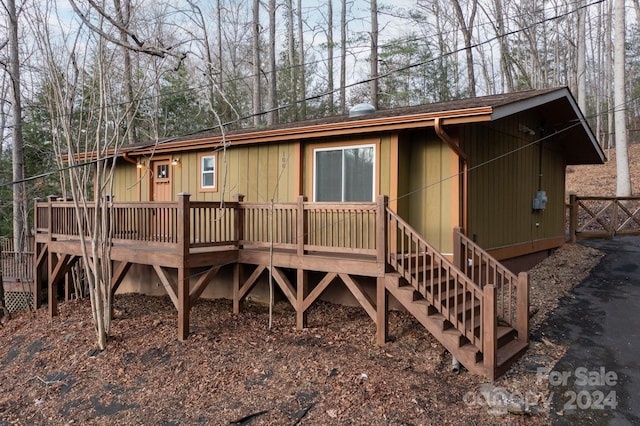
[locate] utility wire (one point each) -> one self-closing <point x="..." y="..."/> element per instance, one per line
<point x="312" y="97"/>
<point x="364" y="49"/>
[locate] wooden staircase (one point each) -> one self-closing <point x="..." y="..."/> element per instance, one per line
<point x="474" y="306"/>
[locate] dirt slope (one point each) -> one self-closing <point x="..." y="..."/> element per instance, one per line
<point x="601" y="180"/>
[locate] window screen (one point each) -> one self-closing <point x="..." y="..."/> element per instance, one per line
<point x="344" y="174"/>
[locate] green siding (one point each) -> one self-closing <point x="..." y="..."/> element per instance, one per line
<point x="428" y="188"/>
<point x="503" y="180"/>
<point x="261" y="173"/>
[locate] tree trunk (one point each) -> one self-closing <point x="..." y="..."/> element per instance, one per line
<point x="374" y="54"/>
<point x="505" y="56"/>
<point x="293" y="73"/>
<point x="608" y="66"/>
<point x="330" y="57"/>
<point x="123" y="15"/>
<point x="343" y="57"/>
<point x="466" y="34"/>
<point x="623" y="183"/>
<point x="582" y="62"/>
<point x="272" y="117"/>
<point x="302" y="73"/>
<point x="20" y="209"/>
<point x="257" y="99"/>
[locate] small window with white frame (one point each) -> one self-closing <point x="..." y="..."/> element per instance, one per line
<point x="208" y="175"/>
<point x="344" y="174"/>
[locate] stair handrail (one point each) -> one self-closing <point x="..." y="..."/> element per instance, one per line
<point x="483" y="269"/>
<point x="403" y="243"/>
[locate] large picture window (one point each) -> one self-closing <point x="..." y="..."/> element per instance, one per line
<point x="344" y="173"/>
<point x="208" y="181"/>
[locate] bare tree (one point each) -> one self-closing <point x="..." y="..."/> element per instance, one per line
<point x="106" y="20"/>
<point x="373" y="59"/>
<point x="330" y="44"/>
<point x="467" y="28"/>
<point x="582" y="60"/>
<point x="84" y="102"/>
<point x="343" y="57"/>
<point x="291" y="55"/>
<point x="272" y="116"/>
<point x="257" y="89"/>
<point x="623" y="182"/>
<point x="123" y="17"/>
<point x="20" y="209"/>
<point x="301" y="74"/>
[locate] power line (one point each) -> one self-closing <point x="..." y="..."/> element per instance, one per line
<point x="364" y="49"/>
<point x="313" y="97"/>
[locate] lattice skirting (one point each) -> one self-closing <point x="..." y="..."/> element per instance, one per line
<point x="18" y="300"/>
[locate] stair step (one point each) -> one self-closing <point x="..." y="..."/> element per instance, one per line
<point x="510" y="352"/>
<point x="505" y="335"/>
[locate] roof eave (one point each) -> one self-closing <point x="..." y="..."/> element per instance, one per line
<point x="380" y="124"/>
<point x="502" y="111"/>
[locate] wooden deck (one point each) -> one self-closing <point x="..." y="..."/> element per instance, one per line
<point x="460" y="302"/>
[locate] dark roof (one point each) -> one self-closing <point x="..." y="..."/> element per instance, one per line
<point x="557" y="104"/>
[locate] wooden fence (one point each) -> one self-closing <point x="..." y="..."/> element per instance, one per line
<point x="603" y="217"/>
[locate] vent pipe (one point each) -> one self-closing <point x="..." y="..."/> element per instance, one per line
<point x="361" y="109"/>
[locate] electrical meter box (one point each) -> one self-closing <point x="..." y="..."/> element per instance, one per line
<point x="540" y="202"/>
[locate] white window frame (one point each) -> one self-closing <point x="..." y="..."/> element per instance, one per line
<point x="214" y="172"/>
<point x="343" y="148"/>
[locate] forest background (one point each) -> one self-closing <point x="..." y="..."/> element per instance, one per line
<point x="107" y="73"/>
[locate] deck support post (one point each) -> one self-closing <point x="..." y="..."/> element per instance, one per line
<point x="52" y="293"/>
<point x="522" y="307"/>
<point x="573" y="217"/>
<point x="237" y="281"/>
<point x="489" y="340"/>
<point x="183" y="228"/>
<point x="301" y="293"/>
<point x="382" y="311"/>
<point x="39" y="258"/>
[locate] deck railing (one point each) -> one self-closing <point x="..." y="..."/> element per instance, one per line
<point x="603" y="217"/>
<point x="17" y="265"/>
<point x="512" y="291"/>
<point x="302" y="226"/>
<point x="439" y="281"/>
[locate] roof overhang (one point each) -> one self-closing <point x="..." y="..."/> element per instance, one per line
<point x="332" y="129"/>
<point x="564" y="122"/>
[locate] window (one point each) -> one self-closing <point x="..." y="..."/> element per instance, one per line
<point x="208" y="181"/>
<point x="162" y="171"/>
<point x="344" y="173"/>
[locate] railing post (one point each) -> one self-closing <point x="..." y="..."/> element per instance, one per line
<point x="489" y="333"/>
<point x="182" y="229"/>
<point x="50" y="200"/>
<point x="458" y="260"/>
<point x="239" y="219"/>
<point x="301" y="225"/>
<point x="381" y="229"/>
<point x="614" y="220"/>
<point x="52" y="296"/>
<point x="522" y="307"/>
<point x="35" y="267"/>
<point x="573" y="217"/>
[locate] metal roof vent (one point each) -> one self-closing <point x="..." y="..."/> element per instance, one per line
<point x="361" y="109"/>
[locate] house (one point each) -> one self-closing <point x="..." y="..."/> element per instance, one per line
<point x="422" y="203"/>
